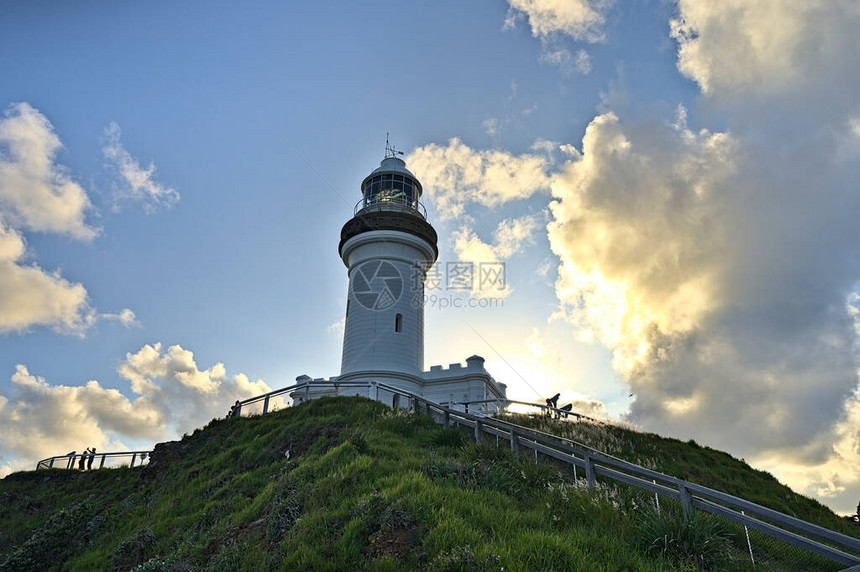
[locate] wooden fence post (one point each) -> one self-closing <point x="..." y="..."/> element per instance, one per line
<point x="515" y="443"/>
<point x="589" y="471"/>
<point x="374" y="391"/>
<point x="478" y="435"/>
<point x="447" y="419"/>
<point x="686" y="501"/>
<point x="266" y="405"/>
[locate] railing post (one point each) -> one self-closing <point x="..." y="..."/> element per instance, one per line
<point x="447" y="419"/>
<point x="134" y="455"/>
<point x="266" y="405"/>
<point x="238" y="412"/>
<point x="686" y="501"/>
<point x="589" y="471"/>
<point x="307" y="391"/>
<point x="373" y="392"/>
<point x="515" y="443"/>
<point x="102" y="464"/>
<point x="51" y="464"/>
<point x="478" y="435"/>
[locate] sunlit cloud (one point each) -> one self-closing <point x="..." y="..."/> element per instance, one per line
<point x="33" y="297"/>
<point x="738" y="47"/>
<point x="36" y="192"/>
<point x="579" y="19"/>
<point x="461" y="176"/>
<point x="172" y="395"/>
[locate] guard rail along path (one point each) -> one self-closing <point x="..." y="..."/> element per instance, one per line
<point x="70" y="461"/>
<point x="826" y="543"/>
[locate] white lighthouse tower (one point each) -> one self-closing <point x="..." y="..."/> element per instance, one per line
<point x="387" y="246"/>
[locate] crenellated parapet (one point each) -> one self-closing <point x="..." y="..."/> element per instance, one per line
<point x="457" y="384"/>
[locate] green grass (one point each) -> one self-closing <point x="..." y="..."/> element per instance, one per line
<point x="365" y="488"/>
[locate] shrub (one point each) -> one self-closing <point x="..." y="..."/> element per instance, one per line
<point x="463" y="558"/>
<point x="64" y="533"/>
<point x="155" y="565"/>
<point x="133" y="550"/>
<point x="286" y="512"/>
<point x="450" y="437"/>
<point x="699" y="541"/>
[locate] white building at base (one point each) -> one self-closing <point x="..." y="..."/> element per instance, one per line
<point x="388" y="247"/>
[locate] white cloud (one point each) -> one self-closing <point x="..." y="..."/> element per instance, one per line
<point x="171" y="396"/>
<point x="623" y="232"/>
<point x="579" y="19"/>
<point x="589" y="407"/>
<point x="457" y="175"/>
<point x="32" y="297"/>
<point x="510" y="237"/>
<point x="125" y="317"/>
<point x="565" y="60"/>
<point x="134" y="182"/>
<point x="714" y="267"/>
<point x="491" y="126"/>
<point x="36" y="192"/>
<point x="736" y="47"/>
<point x="535" y="345"/>
<point x="336" y="328"/>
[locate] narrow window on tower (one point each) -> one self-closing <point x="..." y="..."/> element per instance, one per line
<point x="347" y="306"/>
<point x="398" y="323"/>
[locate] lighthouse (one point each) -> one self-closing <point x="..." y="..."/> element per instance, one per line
<point x="387" y="247"/>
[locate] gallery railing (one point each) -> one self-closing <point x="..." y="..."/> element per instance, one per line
<point x="390" y="204"/>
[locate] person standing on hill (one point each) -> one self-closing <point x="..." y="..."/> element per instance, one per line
<point x="92" y="457"/>
<point x="83" y="459"/>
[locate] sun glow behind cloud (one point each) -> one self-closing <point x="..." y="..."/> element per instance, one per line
<point x="713" y="263"/>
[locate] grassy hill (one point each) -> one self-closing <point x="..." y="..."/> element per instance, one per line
<point x="368" y="488"/>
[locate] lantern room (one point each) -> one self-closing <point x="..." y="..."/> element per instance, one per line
<point x="391" y="186"/>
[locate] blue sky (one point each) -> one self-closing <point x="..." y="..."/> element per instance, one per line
<point x="687" y="238"/>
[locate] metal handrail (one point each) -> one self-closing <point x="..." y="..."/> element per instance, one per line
<point x="787" y="528"/>
<point x="398" y="204"/>
<point x="71" y="461"/>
